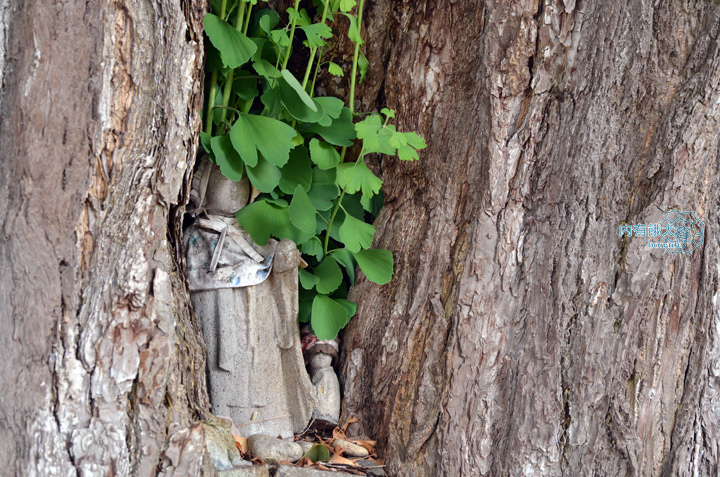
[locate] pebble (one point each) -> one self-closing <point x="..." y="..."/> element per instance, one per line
<point x="273" y="450"/>
<point x="351" y="450"/>
<point x="306" y="446"/>
<point x="287" y="471"/>
<point x="221" y="445"/>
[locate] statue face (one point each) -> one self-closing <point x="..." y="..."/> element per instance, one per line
<point x="224" y="196"/>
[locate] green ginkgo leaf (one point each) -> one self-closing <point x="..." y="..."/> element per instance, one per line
<point x="317" y="453"/>
<point x="244" y="85"/>
<point x="335" y="69"/>
<point x="340" y="133"/>
<point x="354" y="31"/>
<point x="323" y="154"/>
<point x="356" y="234"/>
<point x="316" y="34"/>
<point x="298" y="103"/>
<point x="262" y="220"/>
<point x="329" y="275"/>
<point x="332" y="108"/>
<point x="297" y="171"/>
<point x="328" y="317"/>
<point x="323" y="189"/>
<point x="350" y="307"/>
<point x="313" y="247"/>
<point x="302" y="212"/>
<point x="235" y="48"/>
<point x="268" y="19"/>
<point x="363" y="65"/>
<point x="272" y="138"/>
<point x="357" y="177"/>
<point x="377" y="265"/>
<point x="307" y="279"/>
<point x="264" y="176"/>
<point x="345" y="258"/>
<point x="227" y="157"/>
<point x="347" y="5"/>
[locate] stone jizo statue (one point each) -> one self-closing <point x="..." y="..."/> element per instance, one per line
<point x="246" y="298"/>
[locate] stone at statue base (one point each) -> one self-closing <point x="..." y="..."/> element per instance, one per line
<point x="221" y="445"/>
<point x="254" y="471"/>
<point x="272" y="450"/>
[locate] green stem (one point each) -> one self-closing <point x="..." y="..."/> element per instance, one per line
<point x="314" y="50"/>
<point x="317" y="68"/>
<point x="247" y="19"/>
<point x="226" y="95"/>
<point x="228" y="107"/>
<point x="213" y="85"/>
<point x="353" y="75"/>
<point x="309" y="67"/>
<point x="241" y="15"/>
<point x="355" y="58"/>
<point x="231" y="75"/>
<point x="211" y="102"/>
<point x="332" y="218"/>
<point x="292" y="35"/>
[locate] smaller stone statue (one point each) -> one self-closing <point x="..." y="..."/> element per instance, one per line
<point x="328" y="388"/>
<point x="319" y="357"/>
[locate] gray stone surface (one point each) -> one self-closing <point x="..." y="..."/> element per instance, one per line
<point x="221" y="445"/>
<point x="371" y="468"/>
<point x="256" y="373"/>
<point x="305" y="445"/>
<point x="223" y="196"/>
<point x="321" y="360"/>
<point x="254" y="471"/>
<point x="287" y="471"/>
<point x="273" y="450"/>
<point x="328" y="393"/>
<point x="351" y="450"/>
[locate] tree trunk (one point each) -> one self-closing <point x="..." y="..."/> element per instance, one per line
<point x="103" y="363"/>
<point x="521" y="335"/>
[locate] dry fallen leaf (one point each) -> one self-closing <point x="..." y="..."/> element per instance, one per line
<point x="338" y="434"/>
<point x="253" y="193"/>
<point x="349" y="421"/>
<point x="241" y="443"/>
<point x="339" y="459"/>
<point x="367" y="444"/>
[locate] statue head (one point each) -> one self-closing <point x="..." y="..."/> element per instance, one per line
<point x="287" y="256"/>
<point x="224" y="196"/>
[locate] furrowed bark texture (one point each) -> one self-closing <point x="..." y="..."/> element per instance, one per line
<point x="102" y="361"/>
<point x="521" y="335"/>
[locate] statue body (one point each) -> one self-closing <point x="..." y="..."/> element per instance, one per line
<point x="255" y="370"/>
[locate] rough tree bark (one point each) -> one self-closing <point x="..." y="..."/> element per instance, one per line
<point x="102" y="364"/>
<point x="521" y="335"/>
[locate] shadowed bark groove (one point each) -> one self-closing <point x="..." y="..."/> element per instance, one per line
<point x="103" y="364"/>
<point x="521" y="335"/>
